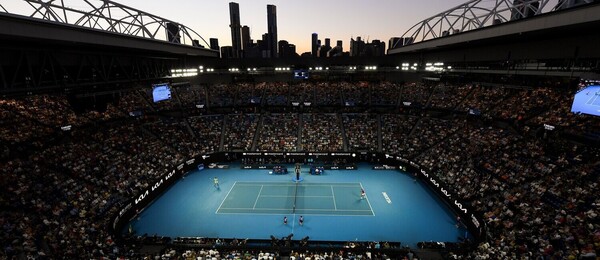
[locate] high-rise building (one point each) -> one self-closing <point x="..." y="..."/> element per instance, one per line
<point x="236" y="27"/>
<point x="246" y="41"/>
<point x="272" y="29"/>
<point x="214" y="44"/>
<point x="356" y="46"/>
<point x="336" y="50"/>
<point x="227" y="52"/>
<point x="315" y="44"/>
<point x="378" y="47"/>
<point x="327" y="42"/>
<point x="264" y="45"/>
<point x="286" y="49"/>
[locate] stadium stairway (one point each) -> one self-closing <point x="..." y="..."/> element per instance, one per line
<point x="441" y="141"/>
<point x="189" y="129"/>
<point x="430" y="97"/>
<point x="257" y="132"/>
<point x="379" y="123"/>
<point x="223" y="131"/>
<point x="344" y="138"/>
<point x="300" y="127"/>
<point x="465" y="98"/>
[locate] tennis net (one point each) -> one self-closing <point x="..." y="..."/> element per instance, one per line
<point x="295" y="198"/>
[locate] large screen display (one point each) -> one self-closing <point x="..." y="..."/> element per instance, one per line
<point x="587" y="100"/>
<point x="300" y="74"/>
<point x="161" y="92"/>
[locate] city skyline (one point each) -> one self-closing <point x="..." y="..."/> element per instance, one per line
<point x="296" y="21"/>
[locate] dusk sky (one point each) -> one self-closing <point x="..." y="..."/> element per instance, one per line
<point x="296" y="20"/>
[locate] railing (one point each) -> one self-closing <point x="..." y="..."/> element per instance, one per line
<point x="108" y="16"/>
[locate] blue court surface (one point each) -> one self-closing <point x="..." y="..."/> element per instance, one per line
<point x="253" y="203"/>
<point x="587" y="101"/>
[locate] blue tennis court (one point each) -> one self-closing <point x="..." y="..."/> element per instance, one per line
<point x="253" y="203"/>
<point x="300" y="198"/>
<point x="587" y="101"/>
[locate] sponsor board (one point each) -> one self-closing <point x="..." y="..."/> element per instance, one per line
<point x="385" y="167"/>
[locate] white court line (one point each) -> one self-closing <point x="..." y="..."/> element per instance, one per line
<point x="284" y="196"/>
<point x="367" y="197"/>
<point x="292" y="185"/>
<point x="217" y="212"/>
<point x="333" y="195"/>
<point x="256" y="201"/>
<point x="279" y="209"/>
<point x="293" y="223"/>
<point x="304" y="214"/>
<point x="592" y="100"/>
<point x="595" y="99"/>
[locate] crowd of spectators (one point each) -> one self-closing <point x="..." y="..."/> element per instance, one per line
<point x="555" y="217"/>
<point x="191" y="95"/>
<point x="302" y="92"/>
<point x="417" y="94"/>
<point x="538" y="195"/>
<point x="249" y="94"/>
<point x="279" y="132"/>
<point x="11" y="123"/>
<point x="321" y="133"/>
<point x="448" y="96"/>
<point x="484" y="98"/>
<point x="362" y="131"/>
<point x="177" y="134"/>
<point x="427" y="132"/>
<point x="276" y="94"/>
<point x="455" y="160"/>
<point x="355" y="93"/>
<point x="222" y="95"/>
<point x="208" y="131"/>
<point x="395" y="130"/>
<point x="385" y="94"/>
<point x="133" y="100"/>
<point x="328" y="94"/>
<point x="525" y="103"/>
<point x="240" y="131"/>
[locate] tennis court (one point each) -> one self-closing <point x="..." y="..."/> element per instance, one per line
<point x="339" y="199"/>
<point x="251" y="203"/>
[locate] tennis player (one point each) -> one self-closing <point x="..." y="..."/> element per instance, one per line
<point x="363" y="195"/>
<point x="216" y="182"/>
<point x="285" y="220"/>
<point x="301" y="220"/>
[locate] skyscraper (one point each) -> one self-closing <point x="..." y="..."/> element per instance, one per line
<point x="236" y="27"/>
<point x="315" y="44"/>
<point x="323" y="50"/>
<point x="286" y="49"/>
<point x="214" y="44"/>
<point x="246" y="41"/>
<point x="272" y="29"/>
